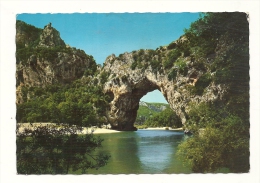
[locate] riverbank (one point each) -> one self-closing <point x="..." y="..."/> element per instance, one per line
<point x="163" y="128"/>
<point x="94" y="130"/>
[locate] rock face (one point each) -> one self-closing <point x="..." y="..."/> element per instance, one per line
<point x="50" y="37"/>
<point x="49" y="60"/>
<point x="128" y="85"/>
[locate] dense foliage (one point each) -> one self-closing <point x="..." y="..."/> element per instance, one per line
<point x="57" y="149"/>
<point x="30" y="35"/>
<point x="166" y="118"/>
<point x="145" y="112"/>
<point x="79" y="103"/>
<point x="219" y="43"/>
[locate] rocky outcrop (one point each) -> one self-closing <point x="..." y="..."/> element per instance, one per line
<point x="128" y="84"/>
<point x="48" y="60"/>
<point x="50" y="37"/>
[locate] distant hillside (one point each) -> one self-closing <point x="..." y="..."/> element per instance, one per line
<point x="147" y="110"/>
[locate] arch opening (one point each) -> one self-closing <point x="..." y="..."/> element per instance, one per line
<point x="150" y="105"/>
<point x="125" y="105"/>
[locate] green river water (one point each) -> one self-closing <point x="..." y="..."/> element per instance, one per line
<point x="142" y="152"/>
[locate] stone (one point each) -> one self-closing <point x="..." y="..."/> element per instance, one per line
<point x="128" y="86"/>
<point x="39" y="71"/>
<point x="50" y="37"/>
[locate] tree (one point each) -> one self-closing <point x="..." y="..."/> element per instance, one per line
<point x="55" y="149"/>
<point x="219" y="44"/>
<point x="165" y="118"/>
<point x="216" y="143"/>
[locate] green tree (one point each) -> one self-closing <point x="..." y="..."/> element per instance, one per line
<point x="219" y="140"/>
<point x="219" y="42"/>
<point x="166" y="118"/>
<point x="57" y="150"/>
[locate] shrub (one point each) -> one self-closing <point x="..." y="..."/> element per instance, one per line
<point x="171" y="46"/>
<point x="182" y="66"/>
<point x="167" y="63"/>
<point x="155" y="64"/>
<point x="202" y="83"/>
<point x="57" y="150"/>
<point x="172" y="74"/>
<point x="134" y="64"/>
<point x="141" y="52"/>
<point x="174" y="54"/>
<point x="104" y="76"/>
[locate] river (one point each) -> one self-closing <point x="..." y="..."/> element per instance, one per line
<point x="142" y="152"/>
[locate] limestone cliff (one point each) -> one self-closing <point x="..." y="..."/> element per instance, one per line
<point x="50" y="37"/>
<point x="43" y="58"/>
<point x="133" y="75"/>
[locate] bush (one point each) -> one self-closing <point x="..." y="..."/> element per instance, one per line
<point x="155" y="64"/>
<point x="182" y="66"/>
<point x="104" y="76"/>
<point x="57" y="150"/>
<point x="171" y="46"/>
<point x="134" y="64"/>
<point x="165" y="118"/>
<point x="141" y="52"/>
<point x="174" y="54"/>
<point x="220" y="139"/>
<point x="202" y="83"/>
<point x="172" y="74"/>
<point x="167" y="64"/>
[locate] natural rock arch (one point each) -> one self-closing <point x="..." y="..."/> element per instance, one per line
<point x="127" y="85"/>
<point x="125" y="104"/>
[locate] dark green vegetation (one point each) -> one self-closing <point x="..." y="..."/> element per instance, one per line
<point x="147" y="110"/>
<point x="219" y="43"/>
<point x="73" y="104"/>
<point x="50" y="150"/>
<point x="30" y="36"/>
<point x="220" y="139"/>
<point x="166" y="118"/>
<point x="156" y="115"/>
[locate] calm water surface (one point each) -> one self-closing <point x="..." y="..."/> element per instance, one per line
<point x="142" y="152"/>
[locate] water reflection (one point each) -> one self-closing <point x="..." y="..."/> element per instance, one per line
<point x="142" y="152"/>
<point x="156" y="148"/>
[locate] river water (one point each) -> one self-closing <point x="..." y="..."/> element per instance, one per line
<point x="142" y="152"/>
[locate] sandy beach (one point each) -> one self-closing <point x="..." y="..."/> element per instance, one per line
<point x="85" y="130"/>
<point x="164" y="128"/>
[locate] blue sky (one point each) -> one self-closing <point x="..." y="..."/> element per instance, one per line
<point x="103" y="34"/>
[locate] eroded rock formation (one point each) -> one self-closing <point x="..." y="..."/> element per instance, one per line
<point x="128" y="85"/>
<point x="44" y="59"/>
<point x="50" y="37"/>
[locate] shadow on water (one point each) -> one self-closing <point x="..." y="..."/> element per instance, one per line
<point x="142" y="152"/>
